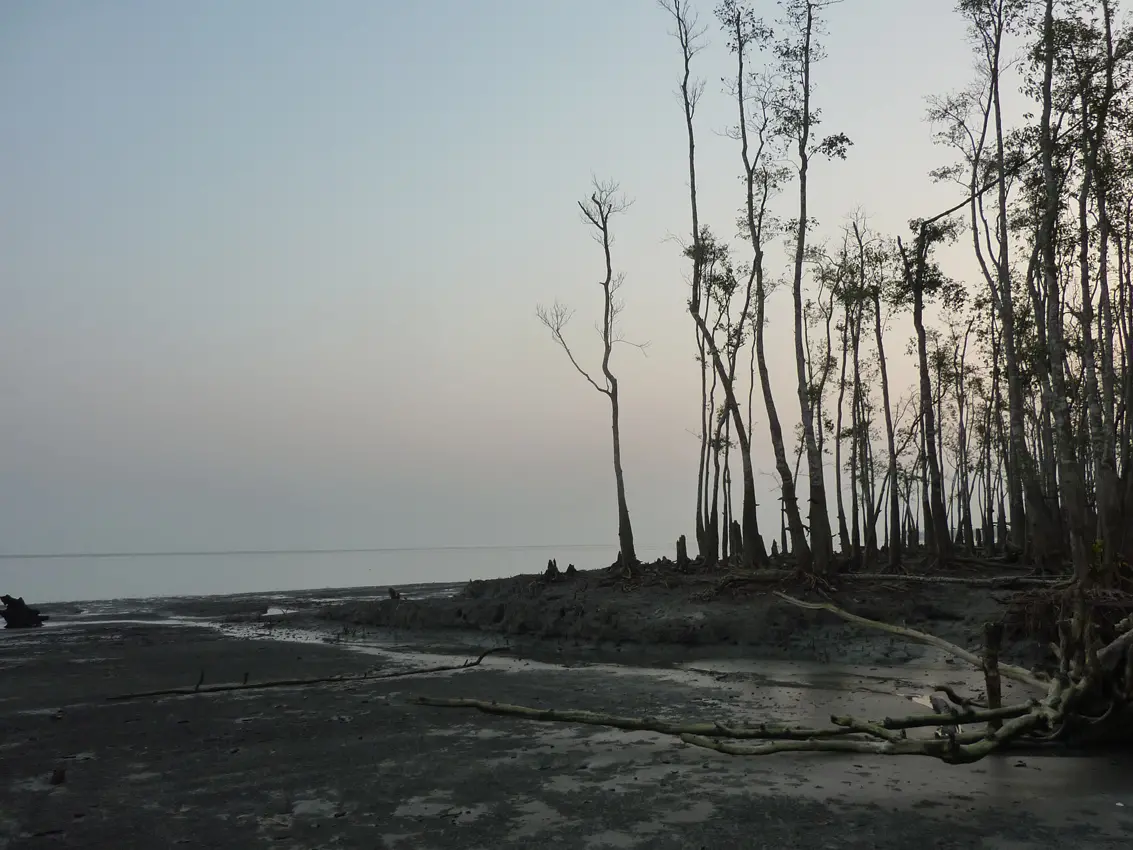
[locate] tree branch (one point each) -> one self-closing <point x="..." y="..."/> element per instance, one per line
<point x="1018" y="674"/>
<point x="555" y="320"/>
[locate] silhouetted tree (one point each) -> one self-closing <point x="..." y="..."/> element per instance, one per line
<point x="603" y="204"/>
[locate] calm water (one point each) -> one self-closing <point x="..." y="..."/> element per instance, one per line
<point x="81" y="578"/>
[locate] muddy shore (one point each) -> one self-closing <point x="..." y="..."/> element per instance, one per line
<point x="665" y="613"/>
<point x="356" y="764"/>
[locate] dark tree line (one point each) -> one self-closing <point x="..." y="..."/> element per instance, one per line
<point x="1017" y="437"/>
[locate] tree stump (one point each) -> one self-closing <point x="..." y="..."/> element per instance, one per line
<point x="993" y="639"/>
<point x="737" y="537"/>
<point x="17" y="615"/>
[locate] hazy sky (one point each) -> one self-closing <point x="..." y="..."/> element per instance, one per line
<point x="269" y="269"/>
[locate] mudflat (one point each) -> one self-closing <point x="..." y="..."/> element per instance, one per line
<point x="358" y="764"/>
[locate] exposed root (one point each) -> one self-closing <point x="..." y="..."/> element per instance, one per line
<point x="1041" y="612"/>
<point x="962" y="701"/>
<point x="846" y="734"/>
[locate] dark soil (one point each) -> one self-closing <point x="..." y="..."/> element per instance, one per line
<point x="663" y="607"/>
<point x="358" y="765"/>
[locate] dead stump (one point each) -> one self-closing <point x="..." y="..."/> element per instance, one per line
<point x="17" y="615"/>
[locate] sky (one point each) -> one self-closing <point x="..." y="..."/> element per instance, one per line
<point x="269" y="269"/>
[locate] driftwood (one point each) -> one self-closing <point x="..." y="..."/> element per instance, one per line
<point x="848" y="734"/>
<point x="1064" y="699"/>
<point x="298" y="683"/>
<point x="682" y="554"/>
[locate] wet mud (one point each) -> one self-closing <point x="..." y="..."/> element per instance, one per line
<point x="357" y="764"/>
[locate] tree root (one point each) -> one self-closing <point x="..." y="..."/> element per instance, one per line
<point x="962" y="701"/>
<point x="847" y="734"/>
<point x="299" y="683"/>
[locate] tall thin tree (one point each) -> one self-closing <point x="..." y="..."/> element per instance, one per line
<point x="604" y="203"/>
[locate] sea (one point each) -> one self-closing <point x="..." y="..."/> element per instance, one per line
<point x="76" y="577"/>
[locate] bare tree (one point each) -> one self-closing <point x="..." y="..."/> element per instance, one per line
<point x="922" y="276"/>
<point x="604" y="203"/>
<point x="877" y="258"/>
<point x="705" y="253"/>
<point x="690" y="36"/>
<point x="798" y="51"/>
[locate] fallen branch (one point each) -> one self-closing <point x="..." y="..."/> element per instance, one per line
<point x="959" y="715"/>
<point x="1009" y="671"/>
<point x="898" y="747"/>
<point x="634" y="724"/>
<point x="298" y="683"/>
<point x="957" y="699"/>
<point x="885" y="738"/>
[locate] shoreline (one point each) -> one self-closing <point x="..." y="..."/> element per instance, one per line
<point x="592" y="614"/>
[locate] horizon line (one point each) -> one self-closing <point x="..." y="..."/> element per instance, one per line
<point x="216" y="553"/>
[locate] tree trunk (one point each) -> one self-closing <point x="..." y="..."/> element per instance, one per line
<point x="936" y="516"/>
<point x="1070" y="471"/>
<point x="625" y="528"/>
<point x="891" y="442"/>
<point x="965" y="491"/>
<point x="859" y="457"/>
<point x="820" y="542"/>
<point x="754" y="551"/>
<point x="702" y="466"/>
<point x="800" y="548"/>
<point x="1102" y="434"/>
<point x="843" y="529"/>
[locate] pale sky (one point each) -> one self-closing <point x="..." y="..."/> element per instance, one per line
<point x="269" y="269"/>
